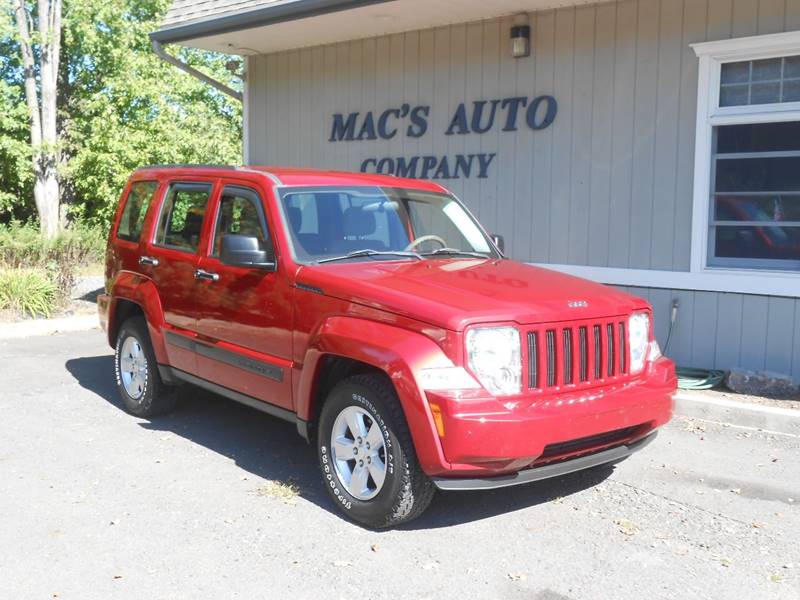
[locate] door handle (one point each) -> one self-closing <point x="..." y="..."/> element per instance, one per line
<point x="148" y="260"/>
<point x="206" y="275"/>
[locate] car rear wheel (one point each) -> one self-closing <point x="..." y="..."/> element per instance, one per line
<point x="140" y="387"/>
<point x="367" y="457"/>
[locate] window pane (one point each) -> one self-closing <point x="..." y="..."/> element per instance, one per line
<point x="768" y="242"/>
<point x="764" y="70"/>
<point x="136" y="205"/>
<point x="758" y="174"/>
<point x="758" y="82"/>
<point x="792" y="67"/>
<point x="238" y="215"/>
<point x="738" y="72"/>
<point x="757" y="208"/>
<point x="761" y="137"/>
<point x="765" y="93"/>
<point x="182" y="216"/>
<point x="734" y="95"/>
<point x="791" y="91"/>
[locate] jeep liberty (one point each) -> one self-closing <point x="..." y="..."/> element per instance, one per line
<point x="378" y="316"/>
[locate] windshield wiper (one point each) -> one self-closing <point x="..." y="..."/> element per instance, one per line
<point x="454" y="252"/>
<point x="370" y="252"/>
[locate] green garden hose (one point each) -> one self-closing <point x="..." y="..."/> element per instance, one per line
<point x="699" y="379"/>
<point x="688" y="378"/>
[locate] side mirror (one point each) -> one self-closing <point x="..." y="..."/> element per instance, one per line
<point x="499" y="242"/>
<point x="246" y="251"/>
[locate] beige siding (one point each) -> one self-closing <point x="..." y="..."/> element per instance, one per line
<point x="722" y="331"/>
<point x="608" y="184"/>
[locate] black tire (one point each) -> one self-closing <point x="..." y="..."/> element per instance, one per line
<point x="406" y="491"/>
<point x="155" y="397"/>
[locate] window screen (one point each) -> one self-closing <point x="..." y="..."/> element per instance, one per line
<point x="136" y="205"/>
<point x="181" y="222"/>
<point x="755" y="204"/>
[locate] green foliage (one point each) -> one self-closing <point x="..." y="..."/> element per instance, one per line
<point x="120" y="108"/>
<point x="23" y="248"/>
<point x="27" y="291"/>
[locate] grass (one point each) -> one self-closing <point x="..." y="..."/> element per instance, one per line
<point x="27" y="291"/>
<point x="288" y="492"/>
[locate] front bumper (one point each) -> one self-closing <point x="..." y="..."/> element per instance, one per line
<point x="604" y="457"/>
<point x="488" y="437"/>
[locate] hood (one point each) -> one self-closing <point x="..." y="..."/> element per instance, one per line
<point x="455" y="293"/>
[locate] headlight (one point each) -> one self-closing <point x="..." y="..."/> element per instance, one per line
<point x="638" y="340"/>
<point x="493" y="355"/>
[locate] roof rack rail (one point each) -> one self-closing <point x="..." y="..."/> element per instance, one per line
<point x="189" y="166"/>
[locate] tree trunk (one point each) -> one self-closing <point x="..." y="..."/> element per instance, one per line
<point x="43" y="116"/>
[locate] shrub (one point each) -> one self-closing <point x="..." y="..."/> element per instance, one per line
<point x="22" y="247"/>
<point x="27" y="291"/>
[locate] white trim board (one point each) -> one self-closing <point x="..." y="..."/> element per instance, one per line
<point x="719" y="280"/>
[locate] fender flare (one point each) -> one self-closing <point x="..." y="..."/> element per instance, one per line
<point x="141" y="291"/>
<point x="400" y="354"/>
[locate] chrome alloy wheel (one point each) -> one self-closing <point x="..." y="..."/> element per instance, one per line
<point x="133" y="367"/>
<point x="358" y="452"/>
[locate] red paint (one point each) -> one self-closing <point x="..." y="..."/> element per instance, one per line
<point x="396" y="316"/>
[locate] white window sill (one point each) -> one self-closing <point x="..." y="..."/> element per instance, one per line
<point x="767" y="283"/>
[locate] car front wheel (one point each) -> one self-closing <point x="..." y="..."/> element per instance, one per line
<point x="367" y="457"/>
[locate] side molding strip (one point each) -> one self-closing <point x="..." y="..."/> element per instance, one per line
<point x="259" y="367"/>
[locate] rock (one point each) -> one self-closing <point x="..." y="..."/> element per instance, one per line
<point x="764" y="383"/>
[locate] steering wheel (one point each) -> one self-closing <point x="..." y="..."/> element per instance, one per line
<point x="425" y="238"/>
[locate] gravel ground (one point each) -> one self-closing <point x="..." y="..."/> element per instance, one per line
<point x="726" y="394"/>
<point x="218" y="501"/>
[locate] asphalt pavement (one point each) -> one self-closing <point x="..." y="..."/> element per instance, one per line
<point x="220" y="501"/>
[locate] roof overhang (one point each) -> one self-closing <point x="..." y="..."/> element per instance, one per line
<point x="278" y="26"/>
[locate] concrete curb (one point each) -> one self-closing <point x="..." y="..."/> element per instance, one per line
<point x="36" y="327"/>
<point x="780" y="420"/>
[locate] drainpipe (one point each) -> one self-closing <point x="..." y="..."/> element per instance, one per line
<point x="162" y="54"/>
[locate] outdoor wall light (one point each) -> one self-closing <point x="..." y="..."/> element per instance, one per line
<point x="520" y="41"/>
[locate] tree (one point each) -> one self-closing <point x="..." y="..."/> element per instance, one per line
<point x="119" y="107"/>
<point x="41" y="88"/>
<point x="125" y="108"/>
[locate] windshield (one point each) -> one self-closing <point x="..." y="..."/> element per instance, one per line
<point x="327" y="224"/>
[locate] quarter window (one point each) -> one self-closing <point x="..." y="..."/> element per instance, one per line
<point x="136" y="205"/>
<point x="181" y="222"/>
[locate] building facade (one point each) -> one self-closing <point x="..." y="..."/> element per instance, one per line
<point x="648" y="144"/>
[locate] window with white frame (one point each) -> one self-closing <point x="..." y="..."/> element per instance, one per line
<point x="747" y="179"/>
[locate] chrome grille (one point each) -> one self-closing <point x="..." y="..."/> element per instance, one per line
<point x="579" y="353"/>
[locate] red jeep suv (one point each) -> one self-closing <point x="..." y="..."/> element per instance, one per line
<point x="377" y="315"/>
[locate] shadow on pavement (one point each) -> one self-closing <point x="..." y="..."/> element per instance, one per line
<point x="270" y="448"/>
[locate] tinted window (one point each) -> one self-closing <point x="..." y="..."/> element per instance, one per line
<point x="136" y="205"/>
<point x="181" y="221"/>
<point x="239" y="214"/>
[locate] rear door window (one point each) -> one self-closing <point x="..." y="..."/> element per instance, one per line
<point x="136" y="205"/>
<point x="181" y="222"/>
